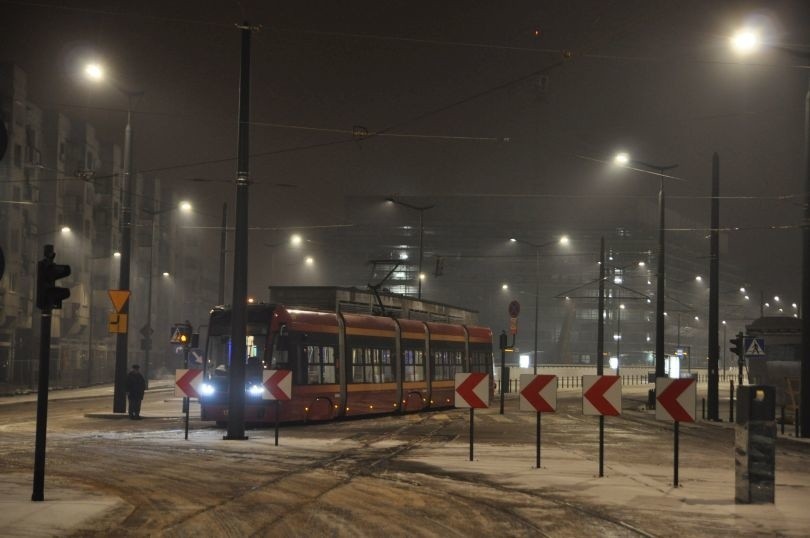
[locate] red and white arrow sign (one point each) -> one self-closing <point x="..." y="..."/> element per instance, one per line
<point x="538" y="393"/>
<point x="676" y="399"/>
<point x="277" y="384"/>
<point x="601" y="395"/>
<point x="187" y="383"/>
<point x="472" y="390"/>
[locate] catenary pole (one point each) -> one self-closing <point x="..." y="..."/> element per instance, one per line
<point x="713" y="407"/>
<point x="236" y="400"/>
<point x="122" y="338"/>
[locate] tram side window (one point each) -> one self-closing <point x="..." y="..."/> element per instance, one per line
<point x="371" y="365"/>
<point x="320" y="364"/>
<point x="447" y="363"/>
<point x="479" y="361"/>
<point x="414" y="360"/>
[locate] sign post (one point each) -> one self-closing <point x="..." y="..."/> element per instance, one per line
<point x="472" y="391"/>
<point x="601" y="395"/>
<point x="676" y="402"/>
<point x="187" y="384"/>
<point x="277" y="386"/>
<point x="538" y="393"/>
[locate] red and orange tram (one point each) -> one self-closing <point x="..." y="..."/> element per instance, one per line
<point x="342" y="364"/>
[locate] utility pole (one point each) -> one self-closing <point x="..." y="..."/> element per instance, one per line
<point x="236" y="400"/>
<point x="600" y="326"/>
<point x="222" y="245"/>
<point x="122" y="338"/>
<point x="713" y="403"/>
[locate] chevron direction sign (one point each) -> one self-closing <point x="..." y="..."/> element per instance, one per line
<point x="472" y="390"/>
<point x="538" y="393"/>
<point x="277" y="384"/>
<point x="676" y="399"/>
<point x="187" y="383"/>
<point x="601" y="395"/>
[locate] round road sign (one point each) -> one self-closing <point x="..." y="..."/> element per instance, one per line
<point x="514" y="309"/>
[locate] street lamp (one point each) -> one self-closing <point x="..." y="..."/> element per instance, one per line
<point x="96" y="73"/>
<point x="623" y="159"/>
<point x="90" y="366"/>
<point x="421" y="209"/>
<point x="747" y="41"/>
<point x="563" y="240"/>
<point x="146" y="330"/>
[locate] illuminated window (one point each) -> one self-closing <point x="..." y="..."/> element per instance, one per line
<point x="414" y="360"/>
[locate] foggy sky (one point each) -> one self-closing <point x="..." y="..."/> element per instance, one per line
<point x="653" y="78"/>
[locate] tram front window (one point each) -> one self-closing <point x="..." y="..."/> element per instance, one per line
<point x="220" y="349"/>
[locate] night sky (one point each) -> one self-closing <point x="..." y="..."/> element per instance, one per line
<point x="508" y="133"/>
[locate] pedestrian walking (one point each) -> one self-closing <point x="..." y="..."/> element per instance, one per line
<point x="136" y="386"/>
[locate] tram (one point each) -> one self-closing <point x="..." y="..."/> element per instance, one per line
<point x="343" y="364"/>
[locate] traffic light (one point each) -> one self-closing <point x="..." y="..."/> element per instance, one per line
<point x="736" y="345"/>
<point x="49" y="295"/>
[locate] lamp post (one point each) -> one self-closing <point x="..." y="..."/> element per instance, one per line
<point x="563" y="240"/>
<point x="421" y="210"/>
<point x="95" y="72"/>
<point x="624" y="159"/>
<point x="747" y="41"/>
<point x="147" y="330"/>
<point x="90" y="316"/>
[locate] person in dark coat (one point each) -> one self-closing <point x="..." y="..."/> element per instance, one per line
<point x="136" y="386"/>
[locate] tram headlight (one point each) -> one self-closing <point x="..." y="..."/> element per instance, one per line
<point x="207" y="389"/>
<point x="256" y="390"/>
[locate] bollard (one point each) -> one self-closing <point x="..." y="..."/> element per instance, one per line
<point x="703" y="408"/>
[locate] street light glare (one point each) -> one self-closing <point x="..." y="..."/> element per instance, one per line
<point x="564" y="240"/>
<point x="94" y="71"/>
<point x="116" y="254"/>
<point x="309" y="260"/>
<point x="295" y="239"/>
<point x="745" y="41"/>
<point x="185" y="206"/>
<point x="65" y="229"/>
<point x="165" y="273"/>
<point x="622" y="159"/>
<point x="505" y="286"/>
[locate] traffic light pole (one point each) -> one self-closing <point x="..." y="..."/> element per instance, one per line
<point x="49" y="296"/>
<point x="42" y="405"/>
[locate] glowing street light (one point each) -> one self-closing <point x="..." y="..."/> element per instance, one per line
<point x="745" y="41"/>
<point x="94" y="71"/>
